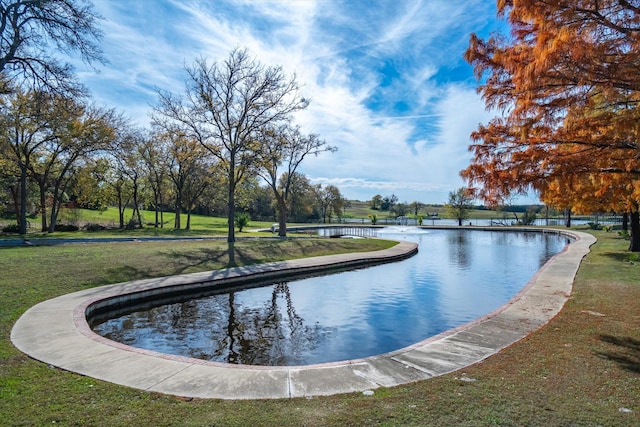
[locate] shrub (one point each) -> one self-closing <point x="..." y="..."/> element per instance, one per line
<point x="66" y="227"/>
<point x="94" y="227"/>
<point x="241" y="220"/>
<point x="11" y="228"/>
<point x="594" y="226"/>
<point x="131" y="225"/>
<point x="624" y="234"/>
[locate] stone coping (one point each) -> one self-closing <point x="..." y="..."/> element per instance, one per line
<point x="56" y="332"/>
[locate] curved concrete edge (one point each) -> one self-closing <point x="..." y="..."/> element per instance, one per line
<point x="56" y="332"/>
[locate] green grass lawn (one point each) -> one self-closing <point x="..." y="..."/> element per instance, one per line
<point x="205" y="225"/>
<point x="200" y="225"/>
<point x="582" y="369"/>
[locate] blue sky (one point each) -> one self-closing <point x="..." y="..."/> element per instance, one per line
<point x="386" y="79"/>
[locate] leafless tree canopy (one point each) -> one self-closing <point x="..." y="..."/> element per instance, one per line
<point x="30" y="28"/>
<point x="225" y="106"/>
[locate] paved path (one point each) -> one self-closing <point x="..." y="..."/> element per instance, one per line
<point x="56" y="332"/>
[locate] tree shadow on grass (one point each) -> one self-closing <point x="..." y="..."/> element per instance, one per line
<point x="238" y="257"/>
<point x="622" y="256"/>
<point x="181" y="262"/>
<point x="185" y="260"/>
<point x="126" y="273"/>
<point x="218" y="256"/>
<point x="626" y="352"/>
<point x="616" y="256"/>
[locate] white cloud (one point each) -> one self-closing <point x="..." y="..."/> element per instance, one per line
<point x="387" y="83"/>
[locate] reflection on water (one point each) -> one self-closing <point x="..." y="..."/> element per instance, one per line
<point x="459" y="250"/>
<point x="457" y="276"/>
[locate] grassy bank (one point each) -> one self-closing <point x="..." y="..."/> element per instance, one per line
<point x="582" y="369"/>
<point x="200" y="225"/>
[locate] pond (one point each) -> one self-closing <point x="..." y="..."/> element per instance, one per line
<point x="457" y="276"/>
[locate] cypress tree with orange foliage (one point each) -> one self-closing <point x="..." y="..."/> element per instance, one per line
<point x="565" y="84"/>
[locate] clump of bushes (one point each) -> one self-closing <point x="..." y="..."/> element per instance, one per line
<point x="66" y="227"/>
<point x="131" y="225"/>
<point x="94" y="227"/>
<point x="11" y="228"/>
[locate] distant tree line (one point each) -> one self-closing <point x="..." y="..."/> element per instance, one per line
<point x="390" y="204"/>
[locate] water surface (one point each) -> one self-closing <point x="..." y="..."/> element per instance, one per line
<point x="457" y="276"/>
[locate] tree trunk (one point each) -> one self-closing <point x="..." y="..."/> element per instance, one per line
<point x="231" y="215"/>
<point x="58" y="190"/>
<point x="157" y="220"/>
<point x="634" y="241"/>
<point x="136" y="216"/>
<point x="625" y="221"/>
<point x="120" y="210"/>
<point x="43" y="207"/>
<point x="568" y="222"/>
<point x="22" y="218"/>
<point x="546" y="215"/>
<point x="55" y="210"/>
<point x="15" y="194"/>
<point x="282" y="217"/>
<point x="176" y="221"/>
<point x="178" y="209"/>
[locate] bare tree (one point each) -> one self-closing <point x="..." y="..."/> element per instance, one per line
<point x="155" y="154"/>
<point x="225" y="107"/>
<point x="29" y="29"/>
<point x="459" y="204"/>
<point x="130" y="166"/>
<point x="285" y="146"/>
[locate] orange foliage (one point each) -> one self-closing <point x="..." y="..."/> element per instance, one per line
<point x="567" y="80"/>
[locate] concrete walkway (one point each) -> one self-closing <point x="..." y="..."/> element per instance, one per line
<point x="56" y="332"/>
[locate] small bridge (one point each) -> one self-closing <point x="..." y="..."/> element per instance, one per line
<point x="348" y="231"/>
<point x="332" y="230"/>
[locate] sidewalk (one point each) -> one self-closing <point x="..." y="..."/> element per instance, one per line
<point x="56" y="332"/>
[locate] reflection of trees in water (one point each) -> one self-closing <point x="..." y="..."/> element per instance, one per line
<point x="269" y="335"/>
<point x="548" y="242"/>
<point x="551" y="246"/>
<point x="222" y="327"/>
<point x="459" y="249"/>
<point x="219" y="328"/>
